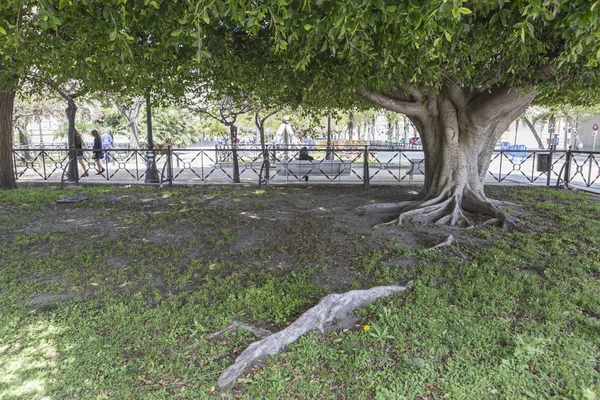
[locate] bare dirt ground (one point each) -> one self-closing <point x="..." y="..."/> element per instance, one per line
<point x="280" y="228"/>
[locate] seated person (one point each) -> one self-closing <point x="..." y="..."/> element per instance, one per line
<point x="304" y="154"/>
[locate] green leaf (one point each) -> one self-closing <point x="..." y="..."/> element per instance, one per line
<point x="2" y="31"/>
<point x="177" y="32"/>
<point x="448" y="36"/>
<point x="106" y="12"/>
<point x="523" y="35"/>
<point x="307" y="27"/>
<point x="414" y="17"/>
<point x="464" y="10"/>
<point x="62" y="4"/>
<point x="392" y="9"/>
<point x="112" y="36"/>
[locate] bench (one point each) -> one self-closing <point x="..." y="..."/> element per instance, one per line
<point x="303" y="168"/>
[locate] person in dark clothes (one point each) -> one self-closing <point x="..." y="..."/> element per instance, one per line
<point x="97" y="151"/>
<point x="304" y="155"/>
<point x="78" y="144"/>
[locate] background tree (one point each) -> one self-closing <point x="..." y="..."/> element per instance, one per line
<point x="225" y="110"/>
<point x="131" y="111"/>
<point x="171" y="123"/>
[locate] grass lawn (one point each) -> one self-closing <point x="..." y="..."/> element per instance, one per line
<point x="113" y="297"/>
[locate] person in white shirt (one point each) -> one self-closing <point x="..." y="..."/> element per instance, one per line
<point x="107" y="142"/>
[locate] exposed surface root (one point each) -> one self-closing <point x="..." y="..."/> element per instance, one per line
<point x="325" y="315"/>
<point x="446" y="209"/>
<point x="437" y="211"/>
<point x="449" y="240"/>
<point x="475" y="204"/>
<point x="384" y="208"/>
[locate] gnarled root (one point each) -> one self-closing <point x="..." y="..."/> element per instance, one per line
<point x="437" y="211"/>
<point x="383" y="208"/>
<point x="476" y="204"/>
<point x="331" y="309"/>
<point x="447" y="208"/>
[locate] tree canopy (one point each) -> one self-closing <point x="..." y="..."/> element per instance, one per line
<point x="377" y="45"/>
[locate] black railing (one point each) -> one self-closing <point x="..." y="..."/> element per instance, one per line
<point x="364" y="165"/>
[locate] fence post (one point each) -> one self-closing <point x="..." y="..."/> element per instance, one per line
<point x="366" y="178"/>
<point x="267" y="162"/>
<point x="550" y="156"/>
<point x="170" y="164"/>
<point x="568" y="167"/>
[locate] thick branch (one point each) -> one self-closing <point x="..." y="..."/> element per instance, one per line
<point x="404" y="107"/>
<point x="63" y="95"/>
<point x="460" y="97"/>
<point x="414" y="91"/>
<point x="488" y="105"/>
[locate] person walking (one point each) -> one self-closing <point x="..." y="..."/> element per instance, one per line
<point x="97" y="151"/>
<point x="107" y="142"/>
<point x="78" y="144"/>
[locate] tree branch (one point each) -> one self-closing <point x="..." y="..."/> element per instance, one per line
<point x="487" y="105"/>
<point x="460" y="97"/>
<point x="404" y="107"/>
<point x="415" y="91"/>
<point x="533" y="130"/>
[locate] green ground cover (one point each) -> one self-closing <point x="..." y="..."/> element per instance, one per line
<point x="113" y="297"/>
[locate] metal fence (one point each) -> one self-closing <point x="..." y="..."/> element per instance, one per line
<point x="364" y="165"/>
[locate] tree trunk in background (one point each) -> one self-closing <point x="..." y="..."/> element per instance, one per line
<point x="459" y="130"/>
<point x="534" y="131"/>
<point x="25" y="140"/>
<point x="132" y="115"/>
<point x="7" y="172"/>
<point x="350" y="126"/>
<point x="236" y="168"/>
<point x="71" y="111"/>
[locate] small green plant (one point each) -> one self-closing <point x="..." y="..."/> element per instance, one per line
<point x="380" y="334"/>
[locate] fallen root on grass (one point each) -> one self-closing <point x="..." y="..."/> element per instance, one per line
<point x="325" y="315"/>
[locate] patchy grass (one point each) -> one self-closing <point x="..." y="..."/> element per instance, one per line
<point x="113" y="297"/>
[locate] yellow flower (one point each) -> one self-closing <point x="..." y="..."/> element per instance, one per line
<point x="366" y="328"/>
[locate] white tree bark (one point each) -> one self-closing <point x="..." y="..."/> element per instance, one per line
<point x="132" y="114"/>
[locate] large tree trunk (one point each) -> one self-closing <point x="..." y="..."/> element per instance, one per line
<point x="459" y="130"/>
<point x="7" y="173"/>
